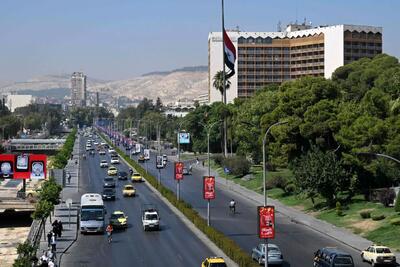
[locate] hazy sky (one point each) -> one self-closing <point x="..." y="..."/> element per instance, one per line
<point x="119" y="39"/>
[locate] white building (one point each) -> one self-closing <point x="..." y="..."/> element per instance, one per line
<point x="274" y="57"/>
<point x="78" y="89"/>
<point x="17" y="101"/>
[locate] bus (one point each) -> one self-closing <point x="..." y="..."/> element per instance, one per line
<point x="92" y="213"/>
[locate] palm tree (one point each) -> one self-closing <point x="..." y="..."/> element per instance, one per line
<point x="218" y="83"/>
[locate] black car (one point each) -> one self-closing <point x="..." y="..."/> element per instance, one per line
<point x="109" y="182"/>
<point x="108" y="193"/>
<point x="122" y="175"/>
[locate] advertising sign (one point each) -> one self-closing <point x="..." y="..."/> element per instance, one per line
<point x="146" y="153"/>
<point x="208" y="187"/>
<point x="22" y="166"/>
<point x="37" y="166"/>
<point x="159" y="162"/>
<point x="137" y="147"/>
<point x="184" y="138"/>
<point x="7" y="166"/>
<point x="178" y="170"/>
<point x="266" y="222"/>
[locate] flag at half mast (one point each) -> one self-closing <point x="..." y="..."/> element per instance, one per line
<point x="230" y="54"/>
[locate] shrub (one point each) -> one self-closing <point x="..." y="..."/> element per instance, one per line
<point x="378" y="217"/>
<point x="365" y="214"/>
<point x="269" y="166"/>
<point x="218" y="159"/>
<point x="397" y="204"/>
<point x="290" y="188"/>
<point x="339" y="210"/>
<point x="238" y="165"/>
<point x="277" y="182"/>
<point x="395" y="221"/>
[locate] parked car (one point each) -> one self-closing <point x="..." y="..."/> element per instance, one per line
<point x="103" y="163"/>
<point x="122" y="175"/>
<point x="109" y="182"/>
<point x="275" y="256"/>
<point x="214" y="262"/>
<point x="332" y="257"/>
<point x="108" y="193"/>
<point x="378" y="255"/>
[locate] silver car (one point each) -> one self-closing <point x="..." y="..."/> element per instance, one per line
<point x="275" y="256"/>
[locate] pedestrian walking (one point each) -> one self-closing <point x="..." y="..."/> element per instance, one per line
<point x="55" y="227"/>
<point x="69" y="177"/>
<point x="202" y="163"/>
<point x="53" y="243"/>
<point x="197" y="161"/>
<point x="49" y="235"/>
<point x="59" y="228"/>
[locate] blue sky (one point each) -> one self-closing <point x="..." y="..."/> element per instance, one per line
<point x="119" y="39"/>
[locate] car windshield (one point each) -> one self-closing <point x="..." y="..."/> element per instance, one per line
<point x="218" y="264"/>
<point x="122" y="173"/>
<point x="92" y="215"/>
<point x="136" y="174"/>
<point x="151" y="217"/>
<point x="108" y="191"/>
<point x="383" y="250"/>
<point x="108" y="180"/>
<point x="112" y="169"/>
<point x="117" y="216"/>
<point x="103" y="161"/>
<point x="129" y="187"/>
<point x="343" y="260"/>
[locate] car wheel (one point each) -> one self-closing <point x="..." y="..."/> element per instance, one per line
<point x="362" y="257"/>
<point x="259" y="261"/>
<point x="252" y="256"/>
<point x="373" y="264"/>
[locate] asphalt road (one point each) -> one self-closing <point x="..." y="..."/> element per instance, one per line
<point x="173" y="245"/>
<point x="297" y="242"/>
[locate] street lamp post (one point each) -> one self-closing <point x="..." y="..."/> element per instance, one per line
<point x="178" y="184"/>
<point x="208" y="129"/>
<point x="264" y="180"/>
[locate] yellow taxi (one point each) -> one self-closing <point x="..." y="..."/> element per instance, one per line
<point x="112" y="171"/>
<point x="118" y="219"/>
<point x="378" y="255"/>
<point x="136" y="177"/>
<point x="129" y="191"/>
<point x="213" y="262"/>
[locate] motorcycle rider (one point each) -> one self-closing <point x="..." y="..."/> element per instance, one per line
<point x="232" y="206"/>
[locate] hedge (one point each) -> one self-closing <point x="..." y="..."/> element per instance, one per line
<point x="61" y="158"/>
<point x="230" y="247"/>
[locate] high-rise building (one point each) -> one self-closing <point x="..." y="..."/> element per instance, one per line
<point x="78" y="89"/>
<point x="274" y="57"/>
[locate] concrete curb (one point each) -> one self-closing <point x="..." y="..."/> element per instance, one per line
<point x="189" y="224"/>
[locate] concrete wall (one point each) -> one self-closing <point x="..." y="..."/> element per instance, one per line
<point x="334" y="49"/>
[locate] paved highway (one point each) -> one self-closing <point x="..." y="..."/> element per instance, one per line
<point x="173" y="245"/>
<point x="297" y="242"/>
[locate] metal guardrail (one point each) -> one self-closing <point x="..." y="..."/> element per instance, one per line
<point x="35" y="232"/>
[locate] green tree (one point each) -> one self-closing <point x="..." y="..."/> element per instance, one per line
<point x="218" y="83"/>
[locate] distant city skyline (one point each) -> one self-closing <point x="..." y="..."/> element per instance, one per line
<point x="124" y="39"/>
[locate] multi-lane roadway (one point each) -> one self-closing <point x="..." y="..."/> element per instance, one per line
<point x="297" y="242"/>
<point x="173" y="245"/>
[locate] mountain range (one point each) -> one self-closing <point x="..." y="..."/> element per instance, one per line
<point x="188" y="82"/>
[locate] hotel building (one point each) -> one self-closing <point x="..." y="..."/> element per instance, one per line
<point x="274" y="57"/>
<point x="78" y="89"/>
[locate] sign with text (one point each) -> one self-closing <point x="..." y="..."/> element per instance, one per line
<point x="178" y="170"/>
<point x="266" y="222"/>
<point x="184" y="138"/>
<point x="208" y="187"/>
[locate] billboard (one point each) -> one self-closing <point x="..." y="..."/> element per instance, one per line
<point x="23" y="166"/>
<point x="266" y="222"/>
<point x="137" y="148"/>
<point x="178" y="171"/>
<point x="146" y="153"/>
<point x="208" y="187"/>
<point x="159" y="162"/>
<point x="184" y="138"/>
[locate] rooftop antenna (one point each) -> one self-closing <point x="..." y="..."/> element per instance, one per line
<point x="305" y="21"/>
<point x="279" y="26"/>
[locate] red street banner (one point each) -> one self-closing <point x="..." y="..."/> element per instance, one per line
<point x="178" y="170"/>
<point x="23" y="166"/>
<point x="208" y="187"/>
<point x="37" y="166"/>
<point x="266" y="222"/>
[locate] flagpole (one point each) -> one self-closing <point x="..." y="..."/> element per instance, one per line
<point x="223" y="76"/>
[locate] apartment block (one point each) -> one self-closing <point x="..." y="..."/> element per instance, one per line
<point x="78" y="89"/>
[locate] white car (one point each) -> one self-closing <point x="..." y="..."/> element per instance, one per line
<point x="111" y="150"/>
<point x="103" y="164"/>
<point x="102" y="152"/>
<point x="114" y="160"/>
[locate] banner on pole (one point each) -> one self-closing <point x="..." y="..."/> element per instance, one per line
<point x="7" y="166"/>
<point x="266" y="222"/>
<point x="178" y="170"/>
<point x="184" y="138"/>
<point x="146" y="153"/>
<point x="208" y="187"/>
<point x="159" y="162"/>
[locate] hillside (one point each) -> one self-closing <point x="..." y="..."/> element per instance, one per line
<point x="188" y="82"/>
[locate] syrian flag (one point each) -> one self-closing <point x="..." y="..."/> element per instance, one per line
<point x="230" y="54"/>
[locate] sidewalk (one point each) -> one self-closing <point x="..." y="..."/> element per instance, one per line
<point x="69" y="218"/>
<point x="341" y="234"/>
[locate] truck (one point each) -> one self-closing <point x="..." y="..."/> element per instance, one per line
<point x="150" y="217"/>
